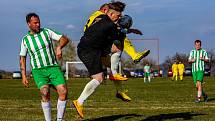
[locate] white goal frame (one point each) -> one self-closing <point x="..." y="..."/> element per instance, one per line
<point x="67" y="67"/>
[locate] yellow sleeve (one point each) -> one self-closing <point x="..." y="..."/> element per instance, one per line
<point x="92" y="18"/>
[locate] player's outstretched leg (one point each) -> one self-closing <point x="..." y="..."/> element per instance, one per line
<point x="140" y="55"/>
<point x="130" y="50"/>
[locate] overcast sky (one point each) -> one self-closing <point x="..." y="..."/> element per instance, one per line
<point x="177" y="23"/>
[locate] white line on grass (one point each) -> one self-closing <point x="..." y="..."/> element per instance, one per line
<point x="121" y="108"/>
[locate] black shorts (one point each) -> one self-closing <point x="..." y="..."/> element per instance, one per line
<point x="91" y="59"/>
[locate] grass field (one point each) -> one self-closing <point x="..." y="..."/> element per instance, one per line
<point x="160" y="100"/>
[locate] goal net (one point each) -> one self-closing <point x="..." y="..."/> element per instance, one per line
<point x="75" y="69"/>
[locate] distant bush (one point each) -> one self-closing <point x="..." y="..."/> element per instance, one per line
<point x="5" y="74"/>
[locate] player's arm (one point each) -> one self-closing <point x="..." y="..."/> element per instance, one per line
<point x="113" y="34"/>
<point x="191" y="59"/>
<point x="135" y="31"/>
<point x="62" y="39"/>
<point x="62" y="42"/>
<point x="23" y="71"/>
<point x="205" y="57"/>
<point x="23" y="53"/>
<point x="206" y="60"/>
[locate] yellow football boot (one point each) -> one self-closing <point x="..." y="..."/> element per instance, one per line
<point x="123" y="96"/>
<point x="117" y="77"/>
<point x="79" y="108"/>
<point x="140" y="55"/>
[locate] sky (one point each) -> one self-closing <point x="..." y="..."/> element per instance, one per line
<point x="176" y="23"/>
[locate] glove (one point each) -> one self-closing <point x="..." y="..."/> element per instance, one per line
<point x="135" y="31"/>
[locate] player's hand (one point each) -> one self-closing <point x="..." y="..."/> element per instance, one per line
<point x="58" y="53"/>
<point x="25" y="82"/>
<point x="193" y="60"/>
<point x="201" y="58"/>
<point x="135" y="31"/>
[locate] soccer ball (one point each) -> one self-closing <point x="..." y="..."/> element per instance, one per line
<point x="125" y="22"/>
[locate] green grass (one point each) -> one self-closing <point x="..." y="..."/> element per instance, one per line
<point x="160" y="100"/>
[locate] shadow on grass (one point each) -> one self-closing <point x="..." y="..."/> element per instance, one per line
<point x="115" y="117"/>
<point x="211" y="99"/>
<point x="162" y="117"/>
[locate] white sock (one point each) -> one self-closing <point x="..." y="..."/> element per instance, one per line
<point x="199" y="94"/>
<point x="88" y="90"/>
<point x="61" y="107"/>
<point x="47" y="110"/>
<point x="115" y="58"/>
<point x="149" y="79"/>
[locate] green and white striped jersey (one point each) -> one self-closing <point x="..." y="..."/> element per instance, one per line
<point x="40" y="48"/>
<point x="198" y="65"/>
<point x="147" y="69"/>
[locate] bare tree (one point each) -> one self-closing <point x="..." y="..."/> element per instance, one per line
<point x="183" y="58"/>
<point x="69" y="54"/>
<point x="211" y="56"/>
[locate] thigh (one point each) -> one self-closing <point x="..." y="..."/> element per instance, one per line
<point x="56" y="76"/>
<point x="92" y="60"/>
<point x="194" y="74"/>
<point x="200" y="75"/>
<point x="41" y="78"/>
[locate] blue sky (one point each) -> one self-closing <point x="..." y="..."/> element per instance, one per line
<point x="177" y="23"/>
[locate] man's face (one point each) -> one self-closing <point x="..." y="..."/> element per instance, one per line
<point x="105" y="9"/>
<point x="114" y="16"/>
<point x="34" y="24"/>
<point x="197" y="45"/>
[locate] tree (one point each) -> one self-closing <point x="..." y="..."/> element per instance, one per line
<point x="69" y="54"/>
<point x="211" y="56"/>
<point x="183" y="58"/>
<point x="211" y="63"/>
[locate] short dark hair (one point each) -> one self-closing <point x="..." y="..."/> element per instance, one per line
<point x="106" y="4"/>
<point x="29" y="15"/>
<point x="117" y="6"/>
<point x="198" y="41"/>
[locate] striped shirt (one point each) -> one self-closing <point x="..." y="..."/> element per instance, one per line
<point x="198" y="65"/>
<point x="40" y="48"/>
<point x="147" y="69"/>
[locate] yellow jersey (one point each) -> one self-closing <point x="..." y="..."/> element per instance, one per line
<point x="174" y="68"/>
<point x="181" y="67"/>
<point x="92" y="19"/>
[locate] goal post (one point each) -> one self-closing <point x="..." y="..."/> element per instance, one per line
<point x="67" y="67"/>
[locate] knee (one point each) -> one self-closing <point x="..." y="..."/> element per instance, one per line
<point x="99" y="78"/>
<point x="45" y="93"/>
<point x="62" y="92"/>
